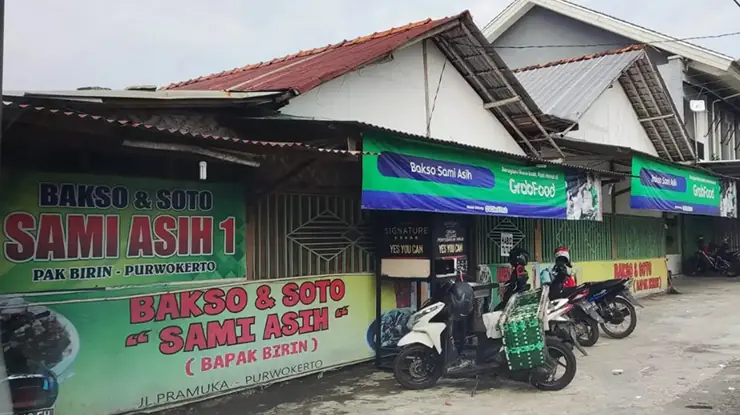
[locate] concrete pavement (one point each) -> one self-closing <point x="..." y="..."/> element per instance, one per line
<point x="681" y="360"/>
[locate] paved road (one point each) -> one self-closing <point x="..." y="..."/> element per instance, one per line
<point x="681" y="360"/>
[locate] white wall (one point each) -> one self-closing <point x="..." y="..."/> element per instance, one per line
<point x="391" y="94"/>
<point x="612" y="120"/>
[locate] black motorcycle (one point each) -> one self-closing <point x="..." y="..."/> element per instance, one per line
<point x="615" y="304"/>
<point x="583" y="314"/>
<point x="711" y="258"/>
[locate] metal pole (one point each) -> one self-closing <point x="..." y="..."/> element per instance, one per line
<point x="2" y="52"/>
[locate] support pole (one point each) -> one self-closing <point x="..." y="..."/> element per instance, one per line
<point x="2" y="52"/>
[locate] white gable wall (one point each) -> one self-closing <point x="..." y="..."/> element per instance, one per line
<point x="612" y="120"/>
<point x="390" y="94"/>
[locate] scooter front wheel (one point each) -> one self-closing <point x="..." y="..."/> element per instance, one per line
<point x="561" y="358"/>
<point x="417" y="367"/>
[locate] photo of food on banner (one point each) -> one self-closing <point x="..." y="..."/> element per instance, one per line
<point x="39" y="345"/>
<point x="583" y="196"/>
<point x="728" y="201"/>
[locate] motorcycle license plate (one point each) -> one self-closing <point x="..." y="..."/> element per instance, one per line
<point x="590" y="310"/>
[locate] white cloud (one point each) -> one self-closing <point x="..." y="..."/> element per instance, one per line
<point x="61" y="45"/>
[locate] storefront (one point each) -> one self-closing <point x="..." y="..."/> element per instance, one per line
<point x="427" y="197"/>
<point x="140" y="280"/>
<point x="686" y="195"/>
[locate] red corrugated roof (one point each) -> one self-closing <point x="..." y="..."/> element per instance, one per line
<point x="308" y="69"/>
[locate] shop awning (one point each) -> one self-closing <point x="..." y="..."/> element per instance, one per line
<point x="331" y="127"/>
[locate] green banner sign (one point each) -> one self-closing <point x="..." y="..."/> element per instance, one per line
<point x="417" y="176"/>
<point x="662" y="186"/>
<point x="66" y="232"/>
<point x="142" y="349"/>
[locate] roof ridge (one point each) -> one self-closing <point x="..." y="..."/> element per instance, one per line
<point x="589" y="56"/>
<point x="307" y="52"/>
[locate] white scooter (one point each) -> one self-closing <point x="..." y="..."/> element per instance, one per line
<point x="428" y="351"/>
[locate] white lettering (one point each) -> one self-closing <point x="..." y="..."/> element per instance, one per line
<point x="422" y="169"/>
<point x="531" y="188"/>
<point x="664" y="181"/>
<point x="703" y="192"/>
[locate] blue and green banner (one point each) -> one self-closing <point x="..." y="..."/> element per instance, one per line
<point x="409" y="175"/>
<point x="666" y="187"/>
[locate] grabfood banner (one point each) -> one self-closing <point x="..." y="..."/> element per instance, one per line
<point x="665" y="187"/>
<point x="414" y="176"/>
<point x="65" y="232"/>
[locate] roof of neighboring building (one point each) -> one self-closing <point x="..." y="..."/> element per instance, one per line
<point x="174" y="126"/>
<point x="568" y="88"/>
<point x="153" y="99"/>
<point x="459" y="39"/>
<point x="517" y="9"/>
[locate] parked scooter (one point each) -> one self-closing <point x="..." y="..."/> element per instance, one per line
<point x="428" y="351"/>
<point x="710" y="258"/>
<point x="562" y="327"/>
<point x="583" y="315"/>
<point x="615" y="304"/>
<point x="727" y="253"/>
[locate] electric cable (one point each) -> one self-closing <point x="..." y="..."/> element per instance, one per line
<point x="585" y="45"/>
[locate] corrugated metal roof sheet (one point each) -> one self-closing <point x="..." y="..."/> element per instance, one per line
<point x="359" y="126"/>
<point x="185" y="133"/>
<point x="567" y="89"/>
<point x="307" y="69"/>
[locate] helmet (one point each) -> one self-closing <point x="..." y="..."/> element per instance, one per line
<point x="518" y="256"/>
<point x="461" y="300"/>
<point x="562" y="256"/>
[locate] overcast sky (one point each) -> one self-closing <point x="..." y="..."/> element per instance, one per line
<point x="52" y="44"/>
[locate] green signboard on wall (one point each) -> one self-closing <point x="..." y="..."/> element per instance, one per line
<point x="662" y="186"/>
<point x="417" y="176"/>
<point x="66" y="232"/>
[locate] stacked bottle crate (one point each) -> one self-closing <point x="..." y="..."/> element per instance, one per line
<point x="524" y="334"/>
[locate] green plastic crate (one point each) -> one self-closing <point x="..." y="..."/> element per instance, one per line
<point x="523" y="333"/>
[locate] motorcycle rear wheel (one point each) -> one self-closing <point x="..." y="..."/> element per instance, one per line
<point x="591" y="335"/>
<point x="424" y="370"/>
<point x="631" y="312"/>
<point x="558" y="350"/>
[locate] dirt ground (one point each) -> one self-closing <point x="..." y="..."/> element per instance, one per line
<point x="681" y="360"/>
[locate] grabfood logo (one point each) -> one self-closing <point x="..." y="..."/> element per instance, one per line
<point x="531" y="188"/>
<point x="703" y="191"/>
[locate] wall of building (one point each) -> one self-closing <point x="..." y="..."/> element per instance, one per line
<point x="391" y="94"/>
<point x="612" y="120"/>
<point x="718" y="128"/>
<point x="540" y="26"/>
